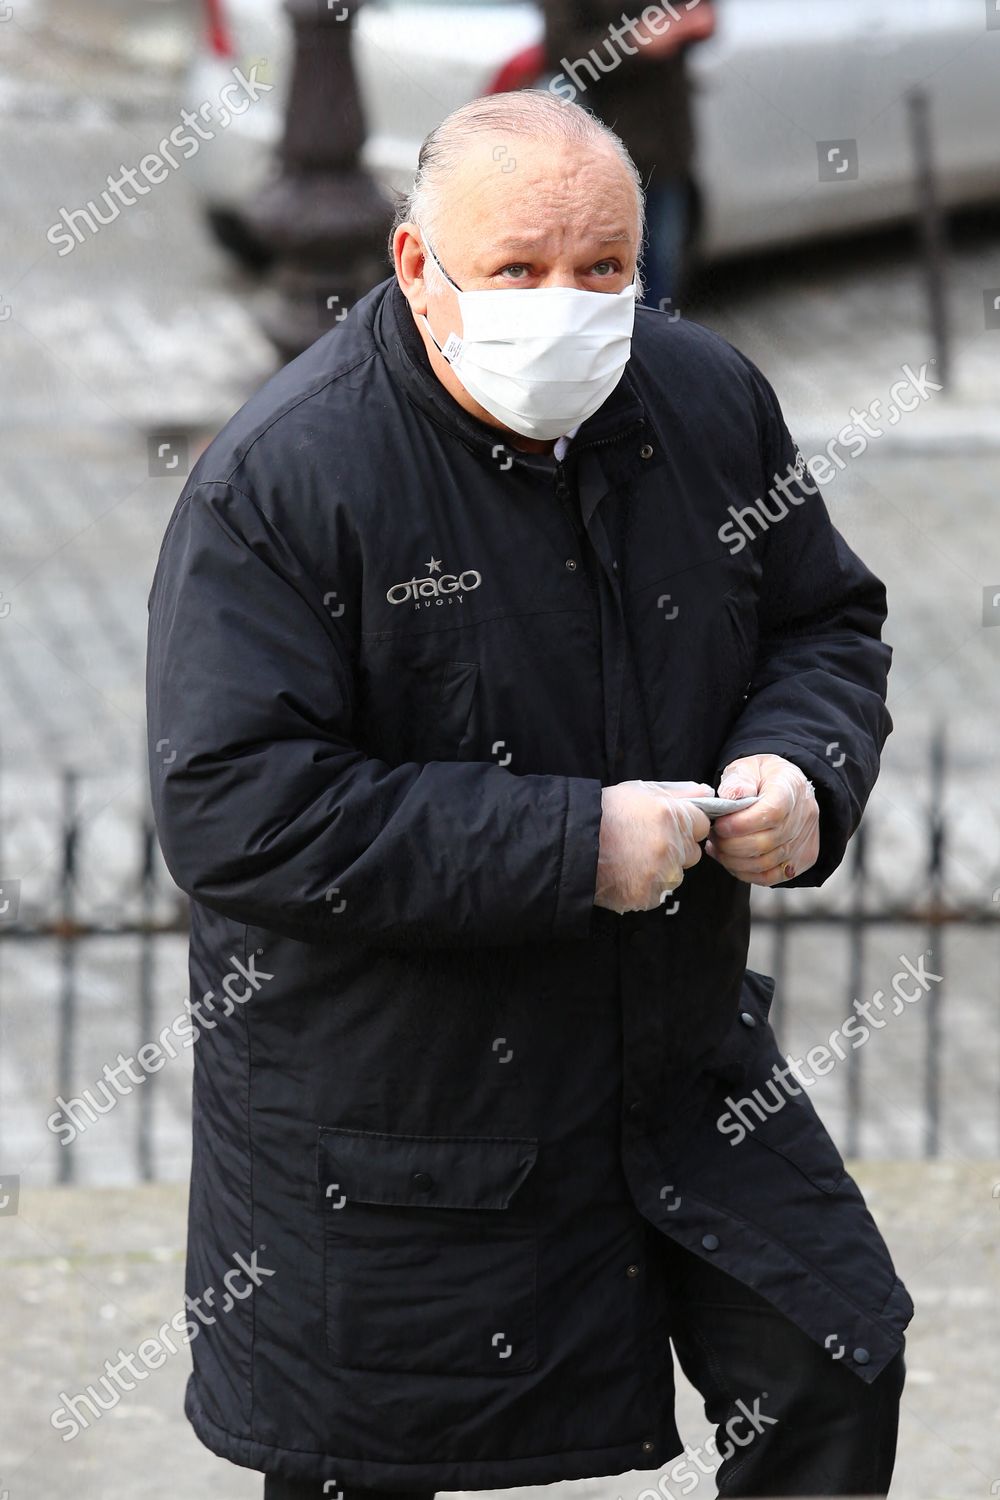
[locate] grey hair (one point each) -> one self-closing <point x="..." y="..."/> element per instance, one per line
<point x="536" y="113"/>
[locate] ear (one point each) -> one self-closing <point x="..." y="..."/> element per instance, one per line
<point x="408" y="256"/>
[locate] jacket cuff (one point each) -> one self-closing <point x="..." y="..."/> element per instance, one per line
<point x="577" y="879"/>
<point x="836" y="813"/>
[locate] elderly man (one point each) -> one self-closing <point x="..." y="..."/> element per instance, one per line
<point x="450" y="627"/>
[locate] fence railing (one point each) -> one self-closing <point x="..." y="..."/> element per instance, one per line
<point x="925" y="905"/>
<point x="52" y="899"/>
<point x="57" y="909"/>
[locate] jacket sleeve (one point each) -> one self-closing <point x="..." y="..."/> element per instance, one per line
<point x="818" y="688"/>
<point x="268" y="812"/>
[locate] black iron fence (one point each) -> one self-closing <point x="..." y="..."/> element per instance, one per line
<point x="54" y="904"/>
<point x="920" y="900"/>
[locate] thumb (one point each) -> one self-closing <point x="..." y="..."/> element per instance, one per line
<point x="738" y="780"/>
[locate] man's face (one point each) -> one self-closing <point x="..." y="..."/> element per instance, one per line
<point x="526" y="214"/>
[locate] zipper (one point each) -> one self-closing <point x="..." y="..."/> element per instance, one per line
<point x="563" y="496"/>
<point x="614" y="437"/>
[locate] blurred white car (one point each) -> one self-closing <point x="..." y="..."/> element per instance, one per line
<point x="785" y="89"/>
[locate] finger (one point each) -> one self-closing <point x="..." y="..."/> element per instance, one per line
<point x="740" y="781"/>
<point x="756" y="877"/>
<point x="684" y="789"/>
<point x="770" y="861"/>
<point x="764" y="817"/>
<point x="701" y="825"/>
<point x="763" y="859"/>
<point x="754" y="846"/>
<point x="692" y="855"/>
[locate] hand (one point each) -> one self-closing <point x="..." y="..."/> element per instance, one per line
<point x="777" y="838"/>
<point x="695" y="25"/>
<point x="649" y="837"/>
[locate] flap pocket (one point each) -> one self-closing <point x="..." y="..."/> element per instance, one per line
<point x="424" y="1171"/>
<point x="430" y="1260"/>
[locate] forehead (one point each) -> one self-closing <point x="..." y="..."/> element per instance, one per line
<point x="517" y="187"/>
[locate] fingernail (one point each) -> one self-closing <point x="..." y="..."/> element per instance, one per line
<point x="788" y="871"/>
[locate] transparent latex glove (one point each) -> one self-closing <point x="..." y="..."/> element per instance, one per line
<point x="649" y="837"/>
<point x="777" y="838"/>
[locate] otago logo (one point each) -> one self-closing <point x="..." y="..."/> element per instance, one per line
<point x="449" y="588"/>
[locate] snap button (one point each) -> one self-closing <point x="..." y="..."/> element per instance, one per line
<point x="648" y="1445"/>
<point x="861" y="1356"/>
<point x="631" y="1270"/>
<point x="635" y="1109"/>
<point x="571" y="564"/>
<point x="710" y="1241"/>
<point x="747" y="1018"/>
<point x="423" y="1181"/>
<point x="646" y="451"/>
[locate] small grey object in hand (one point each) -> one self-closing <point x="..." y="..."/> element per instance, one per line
<point x="717" y="807"/>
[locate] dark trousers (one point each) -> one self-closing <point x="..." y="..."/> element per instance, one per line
<point x="789" y="1418"/>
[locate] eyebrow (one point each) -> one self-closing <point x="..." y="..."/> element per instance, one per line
<point x="514" y="243"/>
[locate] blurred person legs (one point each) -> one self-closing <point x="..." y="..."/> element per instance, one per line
<point x="790" y="1419"/>
<point x="666" y="242"/>
<point x="278" y="1487"/>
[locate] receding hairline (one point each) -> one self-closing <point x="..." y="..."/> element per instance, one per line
<point x="524" y="112"/>
<point x="533" y="114"/>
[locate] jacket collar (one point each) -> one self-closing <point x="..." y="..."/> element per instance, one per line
<point x="401" y="346"/>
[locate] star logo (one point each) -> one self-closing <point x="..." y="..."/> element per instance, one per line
<point x="434" y="566"/>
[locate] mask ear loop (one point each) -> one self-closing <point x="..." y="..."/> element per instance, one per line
<point x="444" y="273"/>
<point x="453" y="344"/>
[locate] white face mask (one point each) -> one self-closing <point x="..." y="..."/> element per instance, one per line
<point x="540" y="359"/>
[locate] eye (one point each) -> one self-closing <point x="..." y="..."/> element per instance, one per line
<point x="520" y="271"/>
